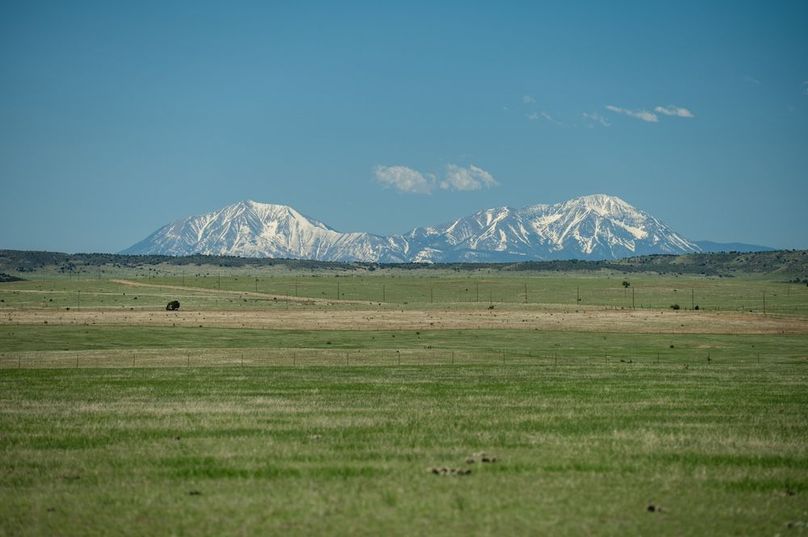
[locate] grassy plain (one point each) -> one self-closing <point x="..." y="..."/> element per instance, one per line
<point x="293" y="409"/>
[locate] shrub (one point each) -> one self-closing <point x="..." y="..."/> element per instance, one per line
<point x="675" y="306"/>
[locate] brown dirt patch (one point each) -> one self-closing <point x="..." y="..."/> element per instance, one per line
<point x="240" y="294"/>
<point x="317" y="317"/>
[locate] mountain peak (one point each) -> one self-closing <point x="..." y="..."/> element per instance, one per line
<point x="252" y="204"/>
<point x="603" y="203"/>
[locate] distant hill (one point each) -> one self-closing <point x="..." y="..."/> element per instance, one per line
<point x="710" y="246"/>
<point x="789" y="263"/>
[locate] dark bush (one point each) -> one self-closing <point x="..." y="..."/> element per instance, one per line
<point x="9" y="278"/>
<point x="675" y="306"/>
<point x="173" y="305"/>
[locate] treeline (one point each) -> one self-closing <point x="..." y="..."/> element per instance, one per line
<point x="787" y="262"/>
<point x="30" y="261"/>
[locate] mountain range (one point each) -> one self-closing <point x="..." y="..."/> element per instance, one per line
<point x="597" y="226"/>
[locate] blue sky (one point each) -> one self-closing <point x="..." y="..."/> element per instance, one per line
<point x="118" y="118"/>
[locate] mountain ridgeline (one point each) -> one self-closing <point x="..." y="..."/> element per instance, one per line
<point x="590" y="227"/>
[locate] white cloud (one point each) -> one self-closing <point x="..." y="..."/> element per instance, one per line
<point x="403" y="179"/>
<point x="551" y="119"/>
<point x="528" y="99"/>
<point x="595" y="119"/>
<point x="457" y="178"/>
<point x="644" y="115"/>
<point x="672" y="110"/>
<point x="467" y="178"/>
<point x="534" y="116"/>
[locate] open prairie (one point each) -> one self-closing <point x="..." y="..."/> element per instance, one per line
<point x="356" y="401"/>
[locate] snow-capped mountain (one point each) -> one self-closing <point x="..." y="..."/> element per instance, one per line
<point x="589" y="227"/>
<point x="252" y="229"/>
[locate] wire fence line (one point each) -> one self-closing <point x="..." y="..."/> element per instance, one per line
<point x="775" y="297"/>
<point x="285" y="357"/>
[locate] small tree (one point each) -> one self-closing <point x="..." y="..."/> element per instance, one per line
<point x="626" y="284"/>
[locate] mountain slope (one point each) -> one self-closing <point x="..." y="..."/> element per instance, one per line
<point x="251" y="229"/>
<point x="589" y="227"/>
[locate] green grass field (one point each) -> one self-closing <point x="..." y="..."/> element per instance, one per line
<point x="772" y="294"/>
<point x="144" y="428"/>
<point x="346" y="450"/>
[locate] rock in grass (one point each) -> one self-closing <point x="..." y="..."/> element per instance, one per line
<point x="481" y="456"/>
<point x="449" y="471"/>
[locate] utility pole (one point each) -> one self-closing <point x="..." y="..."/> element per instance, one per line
<point x="632" y="298"/>
<point x="692" y="299"/>
<point x="764" y="302"/>
<point x="78" y="299"/>
<point x="525" y="292"/>
<point x="431" y="296"/>
<point x="338" y="295"/>
<point x="577" y="295"/>
<point x="384" y="293"/>
<point x="220" y="280"/>
<point x="478" y="291"/>
<point x="256" y="284"/>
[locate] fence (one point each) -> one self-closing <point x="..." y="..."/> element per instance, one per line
<point x="286" y="357"/>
